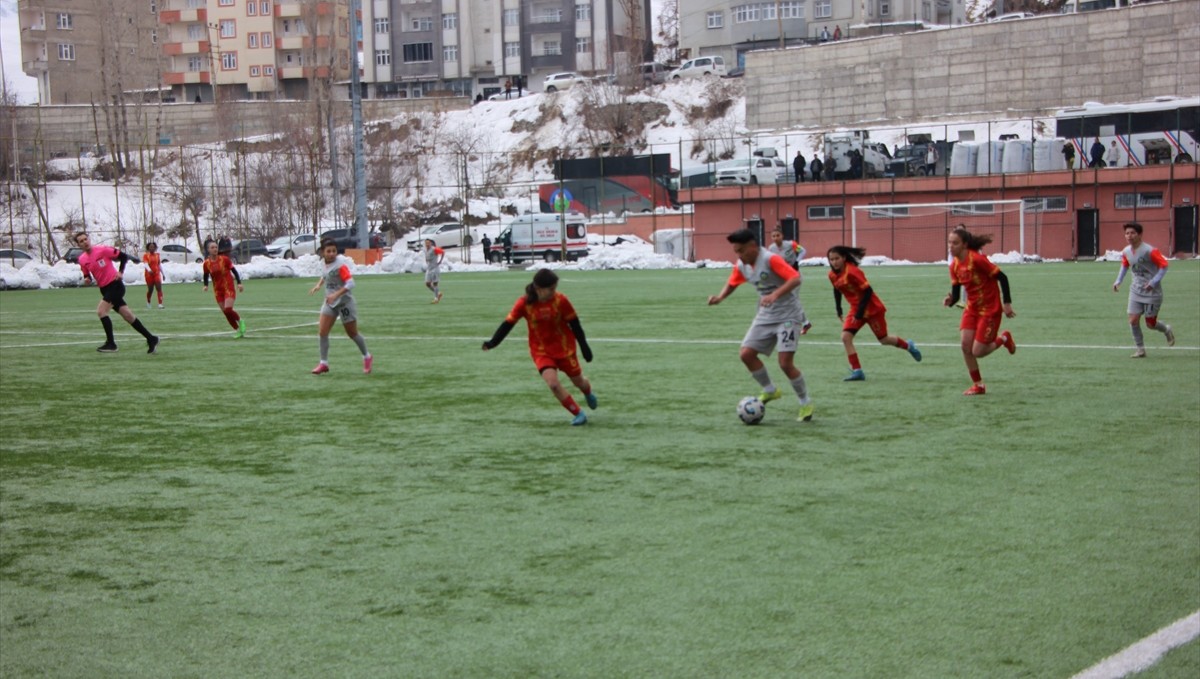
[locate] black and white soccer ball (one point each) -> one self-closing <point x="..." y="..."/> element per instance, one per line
<point x="750" y="410"/>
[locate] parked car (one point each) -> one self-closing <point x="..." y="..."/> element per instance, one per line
<point x="72" y="255"/>
<point x="909" y="161"/>
<point x="447" y="235"/>
<point x="735" y="73"/>
<point x="243" y="250"/>
<point x="348" y="238"/>
<point x="291" y="247"/>
<point x="698" y="68"/>
<point x="757" y="170"/>
<point x="16" y="258"/>
<point x="560" y="81"/>
<point x="178" y="254"/>
<point x="653" y="72"/>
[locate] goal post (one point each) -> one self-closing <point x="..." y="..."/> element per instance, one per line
<point x="918" y="231"/>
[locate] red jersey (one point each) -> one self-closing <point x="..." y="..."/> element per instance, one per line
<point x="977" y="276"/>
<point x="549" y="334"/>
<point x="221" y="272"/>
<point x="153" y="262"/>
<point x="851" y="282"/>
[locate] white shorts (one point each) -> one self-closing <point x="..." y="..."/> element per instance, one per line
<point x="347" y="310"/>
<point x="767" y="337"/>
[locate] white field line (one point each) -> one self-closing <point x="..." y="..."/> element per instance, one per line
<point x="1145" y="653"/>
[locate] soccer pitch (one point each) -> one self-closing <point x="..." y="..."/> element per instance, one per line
<point x="215" y="511"/>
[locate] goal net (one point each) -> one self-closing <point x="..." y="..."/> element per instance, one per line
<point x="917" y="232"/>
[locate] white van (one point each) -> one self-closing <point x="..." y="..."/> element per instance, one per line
<point x="699" y="67"/>
<point x="543" y="236"/>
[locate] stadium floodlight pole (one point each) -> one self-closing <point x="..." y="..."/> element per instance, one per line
<point x="360" y="173"/>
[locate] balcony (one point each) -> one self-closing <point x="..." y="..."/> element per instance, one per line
<point x="35" y="66"/>
<point x="176" y="16"/>
<point x="295" y="9"/>
<point x="295" y="42"/>
<point x="172" y="49"/>
<point x="186" y="77"/>
<point x="289" y="72"/>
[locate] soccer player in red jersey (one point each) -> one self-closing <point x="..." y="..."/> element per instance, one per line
<point x="988" y="298"/>
<point x="220" y="267"/>
<point x="554" y="329"/>
<point x="866" y="308"/>
<point x="96" y="262"/>
<point x="154" y="273"/>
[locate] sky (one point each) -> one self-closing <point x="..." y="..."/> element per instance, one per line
<point x="22" y="85"/>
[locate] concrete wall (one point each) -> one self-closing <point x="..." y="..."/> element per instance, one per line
<point x="67" y="129"/>
<point x="1028" y="67"/>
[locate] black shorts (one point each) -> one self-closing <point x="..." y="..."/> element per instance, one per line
<point x="114" y="293"/>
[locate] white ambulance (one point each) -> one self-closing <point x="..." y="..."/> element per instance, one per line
<point x="549" y="237"/>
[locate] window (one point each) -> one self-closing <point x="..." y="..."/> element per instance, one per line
<point x="1047" y="204"/>
<point x="826" y="212"/>
<point x="383" y="25"/>
<point x="66" y="52"/>
<point x="450" y="22"/>
<point x="583" y="45"/>
<point x="418" y="52"/>
<point x="512" y="49"/>
<point x="822" y="9"/>
<point x="252" y="10"/>
<point x="153" y="7"/>
<point x="154" y="36"/>
<point x="420" y="24"/>
<point x="65" y="23"/>
<point x="768" y="11"/>
<point x="195" y="32"/>
<point x="196" y="4"/>
<point x="547" y="15"/>
<point x="745" y="13"/>
<point x="927" y="11"/>
<point x="228" y="28"/>
<point x="269" y="70"/>
<point x="885" y="8"/>
<point x="251" y="40"/>
<point x="1128" y="201"/>
<point x="195" y="64"/>
<point x="228" y="61"/>
<point x="551" y="48"/>
<point x="225" y="3"/>
<point x="383" y="57"/>
<point x="254" y="71"/>
<point x="449" y="53"/>
<point x="716" y="19"/>
<point x="267" y="39"/>
<point x="264" y="8"/>
<point x="512" y="17"/>
<point x="791" y="10"/>
<point x="583" y="13"/>
<point x="888" y="212"/>
<point x="967" y="209"/>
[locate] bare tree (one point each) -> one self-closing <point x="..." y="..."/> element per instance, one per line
<point x="667" y="47"/>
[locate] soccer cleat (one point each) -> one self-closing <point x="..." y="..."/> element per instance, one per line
<point x="437" y="299"/>
<point x="768" y="396"/>
<point x="806" y="413"/>
<point x="367" y="361"/>
<point x="592" y="402"/>
<point x="241" y="331"/>
<point x="1006" y="339"/>
<point x="147" y="305"/>
<point x="579" y="419"/>
<point x="914" y="351"/>
<point x="1140" y="353"/>
<point x="1170" y="335"/>
<point x="152" y="344"/>
<point x="321" y="369"/>
<point x="856" y="375"/>
<point x="160" y="306"/>
<point x="975" y="390"/>
<point x="107" y="348"/>
<point x="805" y="328"/>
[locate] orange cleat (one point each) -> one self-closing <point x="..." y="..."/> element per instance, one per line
<point x="975" y="390"/>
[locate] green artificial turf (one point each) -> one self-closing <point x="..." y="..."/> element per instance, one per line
<point x="215" y="511"/>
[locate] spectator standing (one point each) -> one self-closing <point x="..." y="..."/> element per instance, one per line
<point x="1097" y="153"/>
<point x="931" y="159"/>
<point x="837" y="32"/>
<point x="825" y="34"/>
<point x="1068" y="152"/>
<point x="487" y="248"/>
<point x="1113" y="158"/>
<point x="816" y="167"/>
<point x="829" y="166"/>
<point x="798" y="166"/>
<point x="507" y="89"/>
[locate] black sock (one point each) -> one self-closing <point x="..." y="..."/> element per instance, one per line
<point x="108" y="331"/>
<point x="137" y="325"/>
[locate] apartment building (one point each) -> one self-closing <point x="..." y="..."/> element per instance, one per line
<point x="81" y="51"/>
<point x="219" y="50"/>
<point x="472" y="47"/>
<point x="731" y="28"/>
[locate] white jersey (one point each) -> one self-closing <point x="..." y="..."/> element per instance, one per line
<point x="1144" y="264"/>
<point x="335" y="278"/>
<point x="766" y="280"/>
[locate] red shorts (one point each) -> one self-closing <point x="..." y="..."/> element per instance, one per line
<point x="222" y="295"/>
<point x="986" y="326"/>
<point x="568" y="365"/>
<point x="878" y="324"/>
<point x="153" y="278"/>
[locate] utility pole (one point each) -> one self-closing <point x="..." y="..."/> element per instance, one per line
<point x="779" y="18"/>
<point x="360" y="172"/>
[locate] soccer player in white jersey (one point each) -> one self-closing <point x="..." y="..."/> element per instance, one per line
<point x="339" y="303"/>
<point x="1145" y="292"/>
<point x="792" y="252"/>
<point x="779" y="318"/>
<point x="434" y="256"/>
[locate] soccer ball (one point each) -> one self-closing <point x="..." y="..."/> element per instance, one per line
<point x="751" y="410"/>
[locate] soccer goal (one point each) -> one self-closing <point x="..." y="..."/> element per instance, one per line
<point x="918" y="231"/>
